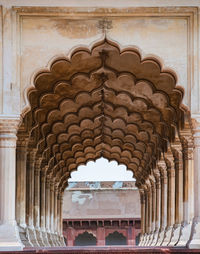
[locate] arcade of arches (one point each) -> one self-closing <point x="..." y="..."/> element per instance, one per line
<point x="99" y="102"/>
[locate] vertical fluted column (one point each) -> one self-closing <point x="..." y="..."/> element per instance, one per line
<point x="47" y="209"/>
<point x="149" y="205"/>
<point x="58" y="216"/>
<point x="22" y="142"/>
<point x="188" y="190"/>
<point x="170" y="201"/>
<point x="52" y="211"/>
<point x="37" y="201"/>
<point x="146" y="217"/>
<point x="178" y="161"/>
<point x="30" y="196"/>
<point x="142" y="203"/>
<point x="153" y="207"/>
<point x="37" y="194"/>
<point x="158" y="207"/>
<point x="55" y="213"/>
<point x="163" y="223"/>
<point x="43" y="207"/>
<point x="61" y="219"/>
<point x="195" y="234"/>
<point x="9" y="235"/>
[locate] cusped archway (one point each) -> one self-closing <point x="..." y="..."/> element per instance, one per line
<point x="103" y="102"/>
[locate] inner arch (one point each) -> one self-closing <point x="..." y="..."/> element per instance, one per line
<point x="101" y="170"/>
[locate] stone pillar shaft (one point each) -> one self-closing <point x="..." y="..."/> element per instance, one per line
<point x="171" y="198"/>
<point x="9" y="234"/>
<point x="42" y="207"/>
<point x="52" y="206"/>
<point x="21" y="181"/>
<point x="47" y="204"/>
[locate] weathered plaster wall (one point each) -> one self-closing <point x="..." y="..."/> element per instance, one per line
<point x="92" y="201"/>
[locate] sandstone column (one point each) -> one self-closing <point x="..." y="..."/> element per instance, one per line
<point x="146" y="217"/>
<point x="55" y="214"/>
<point x="178" y="160"/>
<point x="21" y="181"/>
<point x="188" y="191"/>
<point x="47" y="209"/>
<point x="58" y="217"/>
<point x="42" y="208"/>
<point x="163" y="204"/>
<point x="170" y="200"/>
<point x="149" y="204"/>
<point x="142" y="202"/>
<point x="30" y="197"/>
<point x="52" y="212"/>
<point x="195" y="235"/>
<point x="61" y="219"/>
<point x="158" y="207"/>
<point x="37" y="201"/>
<point x="9" y="235"/>
<point x="153" y="208"/>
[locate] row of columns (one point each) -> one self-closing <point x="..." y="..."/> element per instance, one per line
<point x="38" y="200"/>
<point x="169" y="215"/>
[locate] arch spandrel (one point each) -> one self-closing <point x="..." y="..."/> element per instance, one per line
<point x="104" y="102"/>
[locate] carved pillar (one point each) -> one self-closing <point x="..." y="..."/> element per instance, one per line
<point x="43" y="208"/>
<point x="195" y="235"/>
<point x="47" y="209"/>
<point x="37" y="201"/>
<point x="149" y="207"/>
<point x="61" y="219"/>
<point x="142" y="202"/>
<point x="146" y="217"/>
<point x="178" y="161"/>
<point x="55" y="214"/>
<point x="52" y="212"/>
<point x="188" y="183"/>
<point x="58" y="217"/>
<point x="163" y="223"/>
<point x="170" y="200"/>
<point x="21" y="181"/>
<point x="9" y="235"/>
<point x="153" y="208"/>
<point x="30" y="197"/>
<point x="158" y="207"/>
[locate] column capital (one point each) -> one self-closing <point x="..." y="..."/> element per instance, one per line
<point x="8" y="130"/>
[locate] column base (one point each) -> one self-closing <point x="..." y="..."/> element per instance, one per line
<point x="39" y="237"/>
<point x="146" y="239"/>
<point x="62" y="241"/>
<point x="161" y="236"/>
<point x="45" y="239"/>
<point x="155" y="238"/>
<point x="9" y="238"/>
<point x="168" y="235"/>
<point x="50" y="239"/>
<point x="185" y="234"/>
<point x="175" y="235"/>
<point x="23" y="236"/>
<point x="57" y="240"/>
<point x="141" y="240"/>
<point x="31" y="235"/>
<point x="194" y="243"/>
<point x="150" y="239"/>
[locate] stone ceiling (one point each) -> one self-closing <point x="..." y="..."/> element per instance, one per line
<point x="103" y="102"/>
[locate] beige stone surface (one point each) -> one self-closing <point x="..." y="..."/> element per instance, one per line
<point x="86" y="203"/>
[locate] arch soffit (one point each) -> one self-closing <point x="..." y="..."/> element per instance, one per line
<point x="103" y="102"/>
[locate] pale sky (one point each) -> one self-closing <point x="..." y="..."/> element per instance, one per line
<point x="101" y="170"/>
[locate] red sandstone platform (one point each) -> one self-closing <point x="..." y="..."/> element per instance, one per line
<point x="104" y="250"/>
